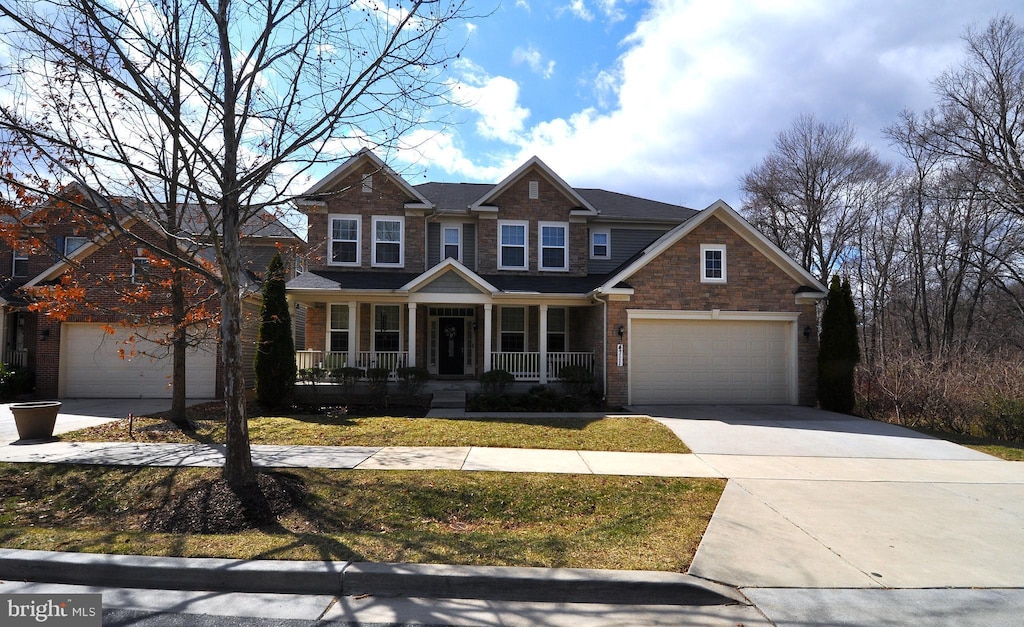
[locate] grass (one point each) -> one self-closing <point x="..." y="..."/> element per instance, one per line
<point x="573" y="521"/>
<point x="1010" y="451"/>
<point x="605" y="434"/>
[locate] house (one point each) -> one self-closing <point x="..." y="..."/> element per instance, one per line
<point x="113" y="342"/>
<point x="662" y="303"/>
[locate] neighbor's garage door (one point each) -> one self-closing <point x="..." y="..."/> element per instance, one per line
<point x="710" y="361"/>
<point x="91" y="367"/>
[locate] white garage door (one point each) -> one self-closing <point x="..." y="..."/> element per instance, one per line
<point x="710" y="361"/>
<point x="91" y="366"/>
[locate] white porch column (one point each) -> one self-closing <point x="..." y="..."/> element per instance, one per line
<point x="353" y="334"/>
<point x="487" y="336"/>
<point x="543" y="342"/>
<point x="412" y="334"/>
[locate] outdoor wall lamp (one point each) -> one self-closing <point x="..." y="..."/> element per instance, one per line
<point x="807" y="333"/>
<point x="621" y="330"/>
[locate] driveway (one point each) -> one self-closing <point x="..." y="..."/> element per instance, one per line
<point x="81" y="413"/>
<point x="822" y="500"/>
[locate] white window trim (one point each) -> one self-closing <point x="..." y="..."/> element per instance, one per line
<point x="540" y="247"/>
<point x="83" y="240"/>
<point x="526" y="326"/>
<point x="458" y="229"/>
<point x="331" y="329"/>
<point x="401" y="241"/>
<point x="608" y="243"/>
<point x="704" y="278"/>
<point x="525" y="245"/>
<point x="135" y="266"/>
<point x="16" y="256"/>
<point x="374" y="329"/>
<point x="330" y="239"/>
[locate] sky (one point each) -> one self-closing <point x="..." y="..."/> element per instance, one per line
<point x="675" y="100"/>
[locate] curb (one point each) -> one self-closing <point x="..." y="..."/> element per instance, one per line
<point x="498" y="583"/>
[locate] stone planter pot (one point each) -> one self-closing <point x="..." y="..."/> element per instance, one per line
<point x="35" y="420"/>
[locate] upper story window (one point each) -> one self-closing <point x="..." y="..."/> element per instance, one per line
<point x="712" y="263"/>
<point x="600" y="244"/>
<point x="20" y="266"/>
<point x="71" y="244"/>
<point x="140" y="269"/>
<point x="554" y="246"/>
<point x="387" y="241"/>
<point x="512" y="243"/>
<point x="343" y="240"/>
<point x="451" y="242"/>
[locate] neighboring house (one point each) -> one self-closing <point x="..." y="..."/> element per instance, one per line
<point x="109" y="346"/>
<point x="664" y="304"/>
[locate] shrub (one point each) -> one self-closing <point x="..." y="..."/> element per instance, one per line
<point x="412" y="378"/>
<point x="14" y="381"/>
<point x="496" y="382"/>
<point x="839" y="349"/>
<point x="347" y="377"/>
<point x="1002" y="418"/>
<point x="275" y="350"/>
<point x="578" y="381"/>
<point x="378" y="380"/>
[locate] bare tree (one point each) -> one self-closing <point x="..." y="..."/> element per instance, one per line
<point x="809" y="194"/>
<point x="216" y="104"/>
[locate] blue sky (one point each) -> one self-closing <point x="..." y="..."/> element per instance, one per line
<point x="676" y="100"/>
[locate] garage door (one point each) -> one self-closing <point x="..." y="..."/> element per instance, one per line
<point x="91" y="366"/>
<point x="710" y="361"/>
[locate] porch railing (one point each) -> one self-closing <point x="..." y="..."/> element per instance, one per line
<point x="16" y="357"/>
<point x="392" y="360"/>
<point x="526" y="366"/>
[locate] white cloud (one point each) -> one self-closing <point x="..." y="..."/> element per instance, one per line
<point x="535" y="60"/>
<point x="496" y="100"/>
<point x="579" y="9"/>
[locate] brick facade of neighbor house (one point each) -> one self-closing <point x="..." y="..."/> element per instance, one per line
<point x="672" y="282"/>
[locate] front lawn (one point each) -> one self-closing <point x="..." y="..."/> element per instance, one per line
<point x="507" y="519"/>
<point x="605" y="434"/>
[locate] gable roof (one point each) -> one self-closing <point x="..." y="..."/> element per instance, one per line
<point x="532" y="162"/>
<point x="447" y="266"/>
<point x="728" y="215"/>
<point x="346" y="168"/>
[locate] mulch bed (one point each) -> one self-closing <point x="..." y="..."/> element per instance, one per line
<point x="213" y="506"/>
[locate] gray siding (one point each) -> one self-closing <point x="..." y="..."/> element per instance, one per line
<point x="468" y="245"/>
<point x="449" y="283"/>
<point x="433" y="244"/>
<point x="625" y="243"/>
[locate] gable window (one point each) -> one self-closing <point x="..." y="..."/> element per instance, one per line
<point x="534" y="190"/>
<point x="387" y="241"/>
<point x="367" y="183"/>
<point x="512" y="244"/>
<point x="20" y="266"/>
<point x="387" y="320"/>
<point x="600" y="247"/>
<point x="140" y="269"/>
<point x="554" y="246"/>
<point x="338" y="337"/>
<point x="343" y="243"/>
<point x="556" y="329"/>
<point x="712" y="260"/>
<point x="513" y="329"/>
<point x="71" y="244"/>
<point x="451" y="237"/>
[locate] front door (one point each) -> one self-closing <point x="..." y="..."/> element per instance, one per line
<point x="451" y="346"/>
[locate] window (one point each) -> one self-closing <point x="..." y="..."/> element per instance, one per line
<point x="599" y="244"/>
<point x="344" y="240"/>
<point x="556" y="330"/>
<point x="451" y="238"/>
<point x="512" y="245"/>
<point x="387" y="241"/>
<point x="513" y="329"/>
<point x="140" y="270"/>
<point x="712" y="258"/>
<point x="554" y="248"/>
<point x="534" y="190"/>
<point x="20" y="267"/>
<point x="339" y="329"/>
<point x="387" y="320"/>
<point x="71" y="244"/>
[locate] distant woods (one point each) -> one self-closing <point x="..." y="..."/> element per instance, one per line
<point x="933" y="245"/>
